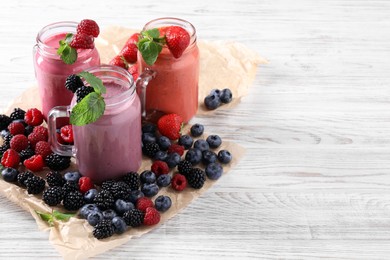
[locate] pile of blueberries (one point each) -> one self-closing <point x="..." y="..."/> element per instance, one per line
<point x="218" y="97"/>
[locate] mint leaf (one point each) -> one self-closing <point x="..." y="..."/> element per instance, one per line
<point x="94" y="82"/>
<point x="68" y="54"/>
<point x="149" y="51"/>
<point x="62" y="216"/>
<point x="46" y="217"/>
<point x="153" y="33"/>
<point x="88" y="110"/>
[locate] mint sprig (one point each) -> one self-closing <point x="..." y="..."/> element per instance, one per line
<point x="150" y="45"/>
<point x="50" y="218"/>
<point x="68" y="54"/>
<point x="92" y="106"/>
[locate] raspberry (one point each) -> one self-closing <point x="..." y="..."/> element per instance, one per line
<point x="85" y="184"/>
<point x="134" y="217"/>
<point x="59" y="139"/>
<point x="34" y="163"/>
<point x="19" y="142"/>
<point x="82" y="41"/>
<point x="160" y="167"/>
<point x="175" y="148"/>
<point x="41" y="130"/>
<point x="67" y="133"/>
<point x="18" y="113"/>
<point x="143" y="203"/>
<point x="16" y="128"/>
<point x="34" y="138"/>
<point x="88" y="27"/>
<point x="103" y="229"/>
<point x="43" y="148"/>
<point x="152" y="216"/>
<point x="10" y="159"/>
<point x="179" y="182"/>
<point x="35" y="184"/>
<point x="82" y="92"/>
<point x="73" y="82"/>
<point x="53" y="196"/>
<point x="33" y="117"/>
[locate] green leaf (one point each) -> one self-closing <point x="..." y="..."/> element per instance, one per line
<point x="62" y="216"/>
<point x="88" y="110"/>
<point x="153" y="33"/>
<point x="46" y="217"/>
<point x="68" y="54"/>
<point x="94" y="82"/>
<point x="149" y="51"/>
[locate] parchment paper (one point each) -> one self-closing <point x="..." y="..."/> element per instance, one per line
<point x="223" y="64"/>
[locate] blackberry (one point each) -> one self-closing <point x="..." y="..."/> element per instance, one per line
<point x="53" y="196"/>
<point x="54" y="178"/>
<point x="26" y="153"/>
<point x="104" y="200"/>
<point x="57" y="162"/>
<point x="107" y="185"/>
<point x="184" y="167"/>
<point x="120" y="190"/>
<point x="150" y="149"/>
<point x="132" y="179"/>
<point x="23" y="176"/>
<point x="103" y="229"/>
<point x="4" y="121"/>
<point x="82" y="92"/>
<point x="70" y="186"/>
<point x="196" y="178"/>
<point x="134" y="217"/>
<point x="18" y="113"/>
<point x="73" y="82"/>
<point x="7" y="139"/>
<point x="35" y="184"/>
<point x="3" y="148"/>
<point x="73" y="200"/>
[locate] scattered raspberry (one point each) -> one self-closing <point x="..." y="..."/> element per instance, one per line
<point x="152" y="216"/>
<point x="176" y="148"/>
<point x="43" y="130"/>
<point x="88" y="27"/>
<point x="160" y="167"/>
<point x="10" y="159"/>
<point x="35" y="163"/>
<point x="59" y="139"/>
<point x="134" y="71"/>
<point x="34" y="138"/>
<point x="119" y="61"/>
<point x="33" y="117"/>
<point x="43" y="148"/>
<point x="170" y="125"/>
<point x="179" y="182"/>
<point x="19" y="143"/>
<point x="177" y="39"/>
<point x="85" y="184"/>
<point x="82" y="41"/>
<point x="16" y="128"/>
<point x="143" y="203"/>
<point x="67" y="133"/>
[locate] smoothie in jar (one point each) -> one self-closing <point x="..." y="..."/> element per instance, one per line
<point x="51" y="72"/>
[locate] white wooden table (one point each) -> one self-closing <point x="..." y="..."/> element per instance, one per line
<point x="316" y="125"/>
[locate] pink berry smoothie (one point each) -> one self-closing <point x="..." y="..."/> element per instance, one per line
<point x="51" y="72"/>
<point x="111" y="146"/>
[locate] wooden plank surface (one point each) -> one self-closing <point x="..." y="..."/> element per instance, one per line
<point x="315" y="181"/>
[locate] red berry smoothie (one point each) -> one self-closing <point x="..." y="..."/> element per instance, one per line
<point x="51" y="72"/>
<point x="175" y="87"/>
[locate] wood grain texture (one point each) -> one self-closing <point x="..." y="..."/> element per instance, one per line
<point x="315" y="180"/>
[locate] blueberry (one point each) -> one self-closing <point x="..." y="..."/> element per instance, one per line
<point x="164" y="180"/>
<point x="149" y="189"/>
<point x="160" y="156"/>
<point x="88" y="209"/>
<point x="148" y="177"/>
<point x="202" y="145"/>
<point x="224" y="156"/>
<point x="149" y="128"/>
<point x="173" y="159"/>
<point x="10" y="174"/>
<point x="215" y="92"/>
<point x="209" y="157"/>
<point x="109" y="214"/>
<point x="121" y="206"/>
<point x="214" y="171"/>
<point x="214" y="141"/>
<point x="212" y="101"/>
<point x="72" y="176"/>
<point x="186" y="141"/>
<point x="90" y="195"/>
<point x="226" y="96"/>
<point x="4" y="133"/>
<point x="194" y="156"/>
<point x="119" y="225"/>
<point x="94" y="218"/>
<point x="148" y="138"/>
<point x="163" y="142"/>
<point x="134" y="195"/>
<point x="162" y="203"/>
<point x="197" y="130"/>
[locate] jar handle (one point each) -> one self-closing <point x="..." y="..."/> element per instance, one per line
<point x="54" y="113"/>
<point x="141" y="84"/>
